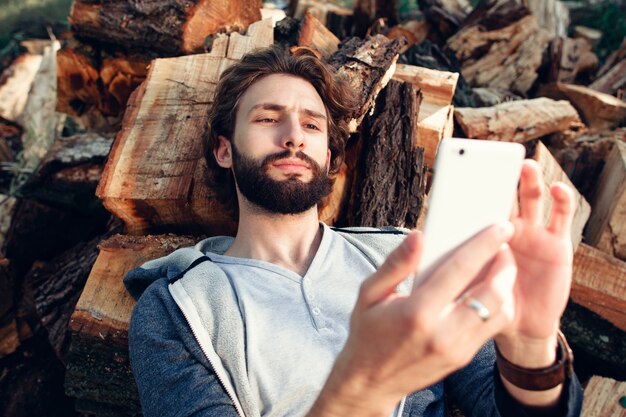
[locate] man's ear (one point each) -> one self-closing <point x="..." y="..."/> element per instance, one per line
<point x="223" y="153"/>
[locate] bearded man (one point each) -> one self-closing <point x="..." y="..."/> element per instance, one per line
<point x="293" y="318"/>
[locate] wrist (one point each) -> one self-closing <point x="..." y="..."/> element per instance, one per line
<point x="528" y="352"/>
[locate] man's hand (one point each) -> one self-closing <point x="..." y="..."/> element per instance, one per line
<point x="543" y="254"/>
<point x="400" y="344"/>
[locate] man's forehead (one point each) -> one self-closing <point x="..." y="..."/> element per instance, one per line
<point x="282" y="90"/>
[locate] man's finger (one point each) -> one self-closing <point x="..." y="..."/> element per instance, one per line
<point x="453" y="276"/>
<point x="562" y="209"/>
<point x="401" y="263"/>
<point x="531" y="193"/>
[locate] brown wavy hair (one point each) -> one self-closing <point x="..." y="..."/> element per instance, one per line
<point x="235" y="81"/>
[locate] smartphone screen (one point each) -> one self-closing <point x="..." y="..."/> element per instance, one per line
<point x="474" y="184"/>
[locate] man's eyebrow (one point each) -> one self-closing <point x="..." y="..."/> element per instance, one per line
<point x="280" y="107"/>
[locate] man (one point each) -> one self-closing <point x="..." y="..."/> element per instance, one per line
<point x="294" y="318"/>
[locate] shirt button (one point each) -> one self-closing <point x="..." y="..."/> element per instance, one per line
<point x="316" y="311"/>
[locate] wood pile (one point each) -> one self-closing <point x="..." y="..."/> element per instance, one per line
<point x="134" y="82"/>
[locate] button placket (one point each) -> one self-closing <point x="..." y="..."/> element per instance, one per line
<point x="314" y="309"/>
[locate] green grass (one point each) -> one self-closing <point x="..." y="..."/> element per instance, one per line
<point x="30" y="17"/>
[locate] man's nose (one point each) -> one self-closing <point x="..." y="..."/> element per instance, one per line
<point x="292" y="134"/>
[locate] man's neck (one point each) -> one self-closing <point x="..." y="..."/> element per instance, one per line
<point x="289" y="241"/>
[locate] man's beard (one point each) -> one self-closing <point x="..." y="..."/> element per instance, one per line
<point x="288" y="196"/>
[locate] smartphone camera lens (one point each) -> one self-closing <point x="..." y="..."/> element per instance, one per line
<point x="461" y="151"/>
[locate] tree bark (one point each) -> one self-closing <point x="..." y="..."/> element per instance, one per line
<point x="391" y="178"/>
<point x="367" y="65"/>
<point x="171" y="27"/>
<point x="445" y="15"/>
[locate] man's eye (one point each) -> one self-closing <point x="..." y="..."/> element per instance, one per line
<point x="311" y="126"/>
<point x="266" y="120"/>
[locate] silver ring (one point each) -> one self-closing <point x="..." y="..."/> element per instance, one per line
<point x="480" y="309"/>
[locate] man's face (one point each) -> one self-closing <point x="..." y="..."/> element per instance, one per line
<point x="279" y="150"/>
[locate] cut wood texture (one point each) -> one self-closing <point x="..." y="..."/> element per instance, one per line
<point x="612" y="75"/>
<point x="15" y="82"/>
<point x="551" y="15"/>
<point x="313" y="34"/>
<point x="93" y="84"/>
<point x="604" y="398"/>
<point x="592" y="36"/>
<point x="334" y="205"/>
<point x="552" y="172"/>
<point x="172" y="27"/>
<point x="155" y="178"/>
<point x="598" y="110"/>
<point x="435" y="116"/>
<point x="500" y="46"/>
<point x="98" y="372"/>
<point x="518" y="121"/>
<point x="599" y="284"/>
<point x="607" y="225"/>
<point x="445" y="15"/>
<point x="584" y="158"/>
<point x="569" y="58"/>
<point x="391" y="179"/>
<point x="367" y="65"/>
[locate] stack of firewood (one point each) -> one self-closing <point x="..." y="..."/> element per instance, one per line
<point x="504" y="70"/>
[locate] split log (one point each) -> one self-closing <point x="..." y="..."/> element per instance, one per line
<point x="570" y="58"/>
<point x="612" y="75"/>
<point x="340" y="21"/>
<point x="156" y="175"/>
<point x="599" y="284"/>
<point x="69" y="173"/>
<point x="15" y="83"/>
<point x="367" y="65"/>
<point x="518" y="121"/>
<point x="429" y="55"/>
<point x="171" y="27"/>
<point x="93" y="84"/>
<point x="604" y="397"/>
<point x="551" y="15"/>
<point x="391" y="180"/>
<point x="489" y="97"/>
<point x="598" y="345"/>
<point x="435" y="116"/>
<point x="599" y="111"/>
<point x="98" y="372"/>
<point x="368" y="11"/>
<point x="590" y="35"/>
<point x="500" y="46"/>
<point x="607" y="228"/>
<point x="552" y="172"/>
<point x="313" y="34"/>
<point x="414" y="31"/>
<point x="57" y="285"/>
<point x="10" y="147"/>
<point x="584" y="158"/>
<point x="445" y="15"/>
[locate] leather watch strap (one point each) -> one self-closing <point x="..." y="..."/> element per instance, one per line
<point x="539" y="379"/>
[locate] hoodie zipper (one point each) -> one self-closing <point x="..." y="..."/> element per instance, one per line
<point x="186" y="307"/>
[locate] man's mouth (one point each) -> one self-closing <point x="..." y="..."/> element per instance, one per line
<point x="291" y="165"/>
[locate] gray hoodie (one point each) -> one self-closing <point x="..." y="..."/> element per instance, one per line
<point x="187" y="344"/>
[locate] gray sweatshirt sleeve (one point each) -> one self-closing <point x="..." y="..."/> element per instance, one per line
<point x="172" y="374"/>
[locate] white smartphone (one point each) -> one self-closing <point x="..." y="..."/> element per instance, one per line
<point x="474" y="184"/>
